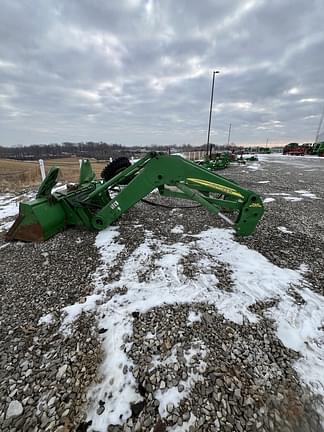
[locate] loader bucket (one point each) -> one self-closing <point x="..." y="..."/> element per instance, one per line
<point x="38" y="220"/>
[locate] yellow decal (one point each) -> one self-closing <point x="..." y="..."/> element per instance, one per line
<point x="218" y="187"/>
<point x="255" y="205"/>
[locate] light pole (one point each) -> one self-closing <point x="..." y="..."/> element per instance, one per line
<point x="229" y="134"/>
<point x="210" y="111"/>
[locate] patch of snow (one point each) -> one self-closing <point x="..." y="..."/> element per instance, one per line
<point x="284" y="230"/>
<point x="72" y="312"/>
<point x="9" y="208"/>
<point x="60" y="188"/>
<point x="7" y="198"/>
<point x="186" y="426"/>
<point x="253" y="166"/>
<point x="174" y="210"/>
<point x="268" y="200"/>
<point x="307" y="194"/>
<point x="289" y="197"/>
<point x="5" y="226"/>
<point x="46" y="319"/>
<point x="46" y="261"/>
<point x="304" y="268"/>
<point x="178" y="229"/>
<point x="172" y="396"/>
<point x="9" y="204"/>
<point x="293" y="199"/>
<point x="254" y="279"/>
<point x="300" y="327"/>
<point x="193" y="317"/>
<point x="264" y="181"/>
<point x="278" y="194"/>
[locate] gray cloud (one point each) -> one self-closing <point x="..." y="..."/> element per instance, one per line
<point x="139" y="71"/>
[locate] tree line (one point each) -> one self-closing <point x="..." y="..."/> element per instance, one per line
<point x="90" y="149"/>
<point x="98" y="150"/>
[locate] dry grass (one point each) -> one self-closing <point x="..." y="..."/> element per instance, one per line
<point x="15" y="175"/>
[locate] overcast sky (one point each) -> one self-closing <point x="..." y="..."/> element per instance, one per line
<point x="139" y="71"/>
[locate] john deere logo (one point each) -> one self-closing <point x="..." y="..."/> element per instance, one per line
<point x="219" y="187"/>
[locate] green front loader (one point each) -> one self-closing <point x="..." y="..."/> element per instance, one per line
<point x="96" y="204"/>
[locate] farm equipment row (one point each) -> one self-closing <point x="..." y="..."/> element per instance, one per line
<point x="219" y="161"/>
<point x="295" y="149"/>
<point x="216" y="162"/>
<point x="96" y="204"/>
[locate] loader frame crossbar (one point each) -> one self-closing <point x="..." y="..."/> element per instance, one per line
<point x="95" y="204"/>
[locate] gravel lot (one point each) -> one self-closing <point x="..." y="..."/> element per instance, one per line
<point x="191" y="366"/>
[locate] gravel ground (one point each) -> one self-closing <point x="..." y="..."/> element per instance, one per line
<point x="44" y="371"/>
<point x="243" y="377"/>
<point x="304" y="218"/>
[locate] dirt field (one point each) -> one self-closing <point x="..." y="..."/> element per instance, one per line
<point x="16" y="175"/>
<point x="166" y="321"/>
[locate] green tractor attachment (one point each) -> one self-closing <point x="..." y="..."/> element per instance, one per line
<point x="216" y="162"/>
<point x="252" y="158"/>
<point x="96" y="204"/>
<point x="318" y="149"/>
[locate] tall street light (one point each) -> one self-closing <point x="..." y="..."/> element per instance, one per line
<point x="210" y="111"/>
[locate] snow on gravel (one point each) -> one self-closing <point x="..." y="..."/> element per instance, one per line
<point x="254" y="166"/>
<point x="284" y="230"/>
<point x="46" y="320"/>
<point x="301" y="328"/>
<point x="193" y="317"/>
<point x="307" y="194"/>
<point x="178" y="229"/>
<point x="268" y="200"/>
<point x="186" y="426"/>
<point x="279" y="194"/>
<point x="4" y="226"/>
<point x="254" y="279"/>
<point x="172" y="395"/>
<point x="9" y="208"/>
<point x="291" y="160"/>
<point x="293" y="199"/>
<point x="289" y="197"/>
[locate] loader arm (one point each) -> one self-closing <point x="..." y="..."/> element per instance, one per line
<point x="177" y="177"/>
<point x="95" y="204"/>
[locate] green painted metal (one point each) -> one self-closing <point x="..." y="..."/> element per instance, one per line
<point x="222" y="160"/>
<point x="48" y="183"/>
<point x="86" y="173"/>
<point x="217" y="162"/>
<point x="251" y="158"/>
<point x="318" y="149"/>
<point x="38" y="220"/>
<point x="95" y="205"/>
